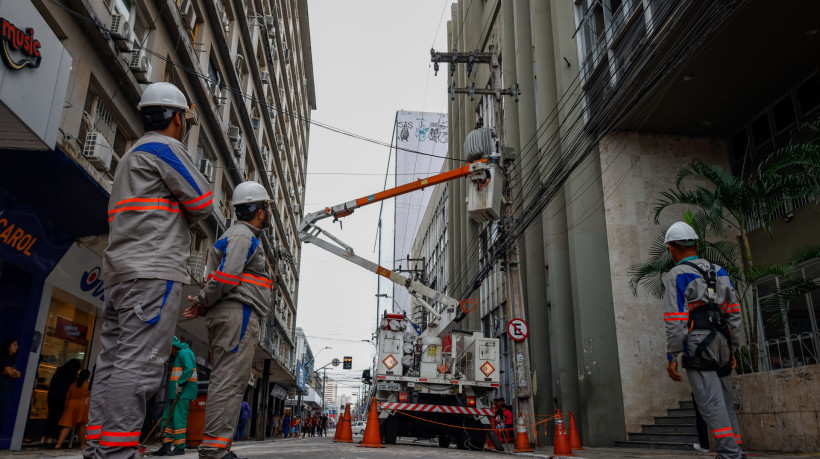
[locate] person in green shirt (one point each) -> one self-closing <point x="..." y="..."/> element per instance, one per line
<point x="182" y="384"/>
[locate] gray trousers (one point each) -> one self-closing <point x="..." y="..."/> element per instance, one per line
<point x="139" y="317"/>
<point x="714" y="400"/>
<point x="233" y="332"/>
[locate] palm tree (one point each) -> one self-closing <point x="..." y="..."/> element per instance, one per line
<point x="795" y="169"/>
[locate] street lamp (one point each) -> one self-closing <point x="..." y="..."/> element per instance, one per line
<point x="384" y="295"/>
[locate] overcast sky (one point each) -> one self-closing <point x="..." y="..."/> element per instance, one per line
<point x="370" y="59"/>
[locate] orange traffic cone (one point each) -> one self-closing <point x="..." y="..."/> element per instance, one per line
<point x="561" y="448"/>
<point x="338" y="428"/>
<point x="522" y="442"/>
<point x="345" y="433"/>
<point x="574" y="438"/>
<point x="372" y="437"/>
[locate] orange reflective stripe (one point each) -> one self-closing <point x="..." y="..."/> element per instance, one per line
<point x="226" y="278"/>
<point x="124" y="209"/>
<point x="723" y="432"/>
<point x="197" y="199"/>
<point x="259" y="278"/>
<point x="257" y="283"/>
<point x="670" y="316"/>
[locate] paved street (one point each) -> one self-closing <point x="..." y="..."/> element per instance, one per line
<point x="324" y="446"/>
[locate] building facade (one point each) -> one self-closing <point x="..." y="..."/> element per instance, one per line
<point x="615" y="97"/>
<point x="246" y="66"/>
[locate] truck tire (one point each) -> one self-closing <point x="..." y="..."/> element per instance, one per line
<point x="390" y="430"/>
<point x="444" y="440"/>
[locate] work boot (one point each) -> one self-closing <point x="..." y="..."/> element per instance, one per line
<point x="177" y="452"/>
<point x="163" y="451"/>
<point x="232" y="455"/>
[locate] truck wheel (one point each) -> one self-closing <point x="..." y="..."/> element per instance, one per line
<point x="462" y="440"/>
<point x="477" y="440"/>
<point x="444" y="440"/>
<point x="390" y="430"/>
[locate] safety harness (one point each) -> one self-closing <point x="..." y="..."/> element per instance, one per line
<point x="707" y="317"/>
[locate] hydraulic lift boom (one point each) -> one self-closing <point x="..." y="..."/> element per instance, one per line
<point x="442" y="322"/>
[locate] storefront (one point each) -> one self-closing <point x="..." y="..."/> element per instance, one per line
<point x="47" y="202"/>
<point x="71" y="301"/>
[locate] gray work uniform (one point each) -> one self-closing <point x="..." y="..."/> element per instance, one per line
<point x="156" y="195"/>
<point x="237" y="295"/>
<point x="685" y="291"/>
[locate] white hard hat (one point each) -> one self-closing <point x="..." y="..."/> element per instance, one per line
<point x="680" y="232"/>
<point x="249" y="192"/>
<point x="165" y="95"/>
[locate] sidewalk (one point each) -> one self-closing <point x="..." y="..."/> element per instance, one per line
<point x="607" y="453"/>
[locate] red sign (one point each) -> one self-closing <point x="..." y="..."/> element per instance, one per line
<point x="70" y="331"/>
<point x="22" y="42"/>
<point x="518" y="329"/>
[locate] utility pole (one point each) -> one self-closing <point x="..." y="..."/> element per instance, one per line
<point x="520" y="358"/>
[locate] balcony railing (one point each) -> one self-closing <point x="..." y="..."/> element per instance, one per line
<point x="780" y="353"/>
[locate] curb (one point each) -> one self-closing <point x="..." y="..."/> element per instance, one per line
<point x="547" y="455"/>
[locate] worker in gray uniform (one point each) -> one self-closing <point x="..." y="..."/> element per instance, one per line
<point x="156" y="196"/>
<point x="235" y="298"/>
<point x="702" y="317"/>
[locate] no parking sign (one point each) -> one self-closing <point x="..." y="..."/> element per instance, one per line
<point x="518" y="329"/>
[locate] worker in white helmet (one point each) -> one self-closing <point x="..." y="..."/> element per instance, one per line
<point x="156" y="196"/>
<point x="235" y="298"/>
<point x="703" y="322"/>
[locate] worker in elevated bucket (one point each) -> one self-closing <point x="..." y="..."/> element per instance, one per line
<point x="701" y="314"/>
<point x="182" y="385"/>
<point x="235" y="297"/>
<point x="156" y="196"/>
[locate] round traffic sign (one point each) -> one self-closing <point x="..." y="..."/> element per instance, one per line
<point x="518" y="329"/>
<point x="335" y="362"/>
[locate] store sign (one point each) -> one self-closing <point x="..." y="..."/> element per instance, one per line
<point x="20" y="48"/>
<point x="79" y="274"/>
<point x="278" y="392"/>
<point x="71" y="331"/>
<point x="26" y="241"/>
<point x="91" y="282"/>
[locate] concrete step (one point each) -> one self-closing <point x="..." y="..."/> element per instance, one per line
<point x="678" y="412"/>
<point x="669" y="428"/>
<point x="665" y="437"/>
<point x="655" y="445"/>
<point x="675" y="420"/>
<point x="689" y="404"/>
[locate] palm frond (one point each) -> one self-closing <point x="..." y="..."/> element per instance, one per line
<point x="789" y="290"/>
<point x="806" y="254"/>
<point x="757" y="272"/>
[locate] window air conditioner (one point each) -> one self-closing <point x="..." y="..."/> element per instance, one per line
<point x="287" y="56"/>
<point x="281" y="93"/>
<point x="238" y="61"/>
<point x="265" y="77"/>
<point x="225" y="21"/>
<point x="234" y="133"/>
<point x="280" y="141"/>
<point x="186" y="10"/>
<point x="255" y="122"/>
<point x="97" y="151"/>
<point x="121" y="32"/>
<point x="265" y="153"/>
<point x="273" y="53"/>
<point x="239" y="147"/>
<point x="134" y="62"/>
<point x="297" y="209"/>
<point x="269" y="23"/>
<point x="206" y="166"/>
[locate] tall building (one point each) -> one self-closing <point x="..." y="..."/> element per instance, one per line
<point x="615" y="97"/>
<point x="330" y="393"/>
<point x="70" y="103"/>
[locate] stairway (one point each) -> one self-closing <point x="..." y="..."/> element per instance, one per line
<point x="675" y="431"/>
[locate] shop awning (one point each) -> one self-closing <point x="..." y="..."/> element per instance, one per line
<point x="57" y="188"/>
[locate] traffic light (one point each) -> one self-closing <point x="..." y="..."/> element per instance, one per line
<point x="348" y="363"/>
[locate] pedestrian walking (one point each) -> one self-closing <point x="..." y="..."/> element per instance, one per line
<point x="182" y="385"/>
<point x="61" y="381"/>
<point x="324" y="425"/>
<point x="244" y="417"/>
<point x="286" y="425"/>
<point x="702" y="320"/>
<point x="235" y="297"/>
<point x="275" y="424"/>
<point x="76" y="410"/>
<point x="156" y="196"/>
